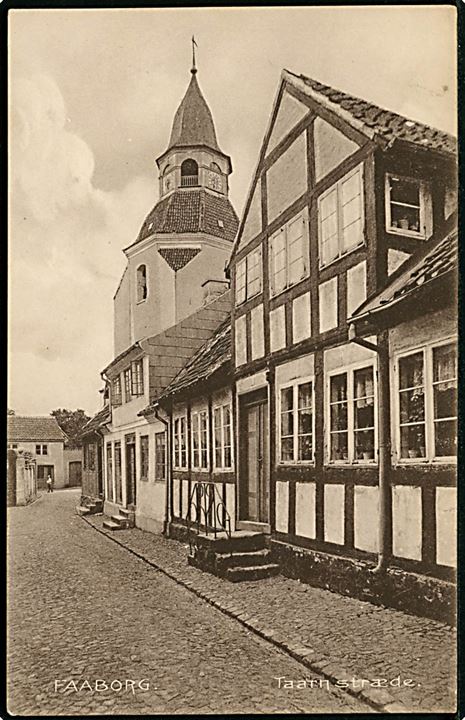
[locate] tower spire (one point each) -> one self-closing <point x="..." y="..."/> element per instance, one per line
<point x="194" y="45"/>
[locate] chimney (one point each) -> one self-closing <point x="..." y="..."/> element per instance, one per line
<point x="213" y="289"/>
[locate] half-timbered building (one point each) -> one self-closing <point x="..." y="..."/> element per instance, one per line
<point x="343" y="194"/>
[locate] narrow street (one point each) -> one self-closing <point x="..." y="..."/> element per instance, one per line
<point x="81" y="608"/>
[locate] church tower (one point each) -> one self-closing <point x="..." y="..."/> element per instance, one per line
<point x="179" y="256"/>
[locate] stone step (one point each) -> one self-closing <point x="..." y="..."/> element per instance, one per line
<point x="120" y="519"/>
<point x="125" y="512"/>
<point x="82" y="510"/>
<point x="111" y="525"/>
<point x="254" y="572"/>
<point x="240" y="541"/>
<point x="242" y="559"/>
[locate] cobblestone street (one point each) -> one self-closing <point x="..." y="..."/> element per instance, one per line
<point x="81" y="608"/>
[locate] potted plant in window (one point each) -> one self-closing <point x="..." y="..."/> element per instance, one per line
<point x="404" y="223"/>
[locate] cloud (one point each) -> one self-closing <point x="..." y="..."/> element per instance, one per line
<point x="66" y="237"/>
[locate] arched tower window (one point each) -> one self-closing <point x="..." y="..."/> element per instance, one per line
<point x="189" y="173"/>
<point x="141" y="283"/>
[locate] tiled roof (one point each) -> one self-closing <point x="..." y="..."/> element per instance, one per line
<point x="192" y="211"/>
<point x="100" y="418"/>
<point x="177" y="258"/>
<point x="212" y="356"/>
<point x="22" y="428"/>
<point x="377" y="123"/>
<point x="437" y="258"/>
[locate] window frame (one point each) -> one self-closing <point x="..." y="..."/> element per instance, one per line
<point x="200" y="448"/>
<point x="336" y="186"/>
<point x="245" y="263"/>
<point x="157" y="445"/>
<point x="303" y="216"/>
<point x="116" y="397"/>
<point x="177" y="445"/>
<point x="109" y="470"/>
<point x="295" y="383"/>
<point x="423" y="194"/>
<point x="144" y="438"/>
<point x="349" y="371"/>
<point x="137" y="381"/>
<point x="127" y="382"/>
<point x="430" y="458"/>
<point x="222" y="406"/>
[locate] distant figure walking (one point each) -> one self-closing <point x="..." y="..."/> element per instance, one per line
<point x="49" y="484"/>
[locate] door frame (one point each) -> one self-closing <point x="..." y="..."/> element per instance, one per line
<point x="244" y="401"/>
<point x="131" y="481"/>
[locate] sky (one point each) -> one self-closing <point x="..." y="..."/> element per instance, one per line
<point x="92" y="96"/>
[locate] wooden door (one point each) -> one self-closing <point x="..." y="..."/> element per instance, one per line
<point x="75" y="473"/>
<point x="257" y="481"/>
<point x="130" y="470"/>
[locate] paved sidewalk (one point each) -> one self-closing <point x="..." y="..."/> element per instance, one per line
<point x="339" y="637"/>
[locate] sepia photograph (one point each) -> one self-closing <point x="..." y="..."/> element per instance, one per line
<point x="232" y="360"/>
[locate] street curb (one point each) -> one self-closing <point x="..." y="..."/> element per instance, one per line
<point x="377" y="698"/>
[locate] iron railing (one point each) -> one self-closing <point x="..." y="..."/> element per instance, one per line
<point x="189" y="180"/>
<point x="207" y="511"/>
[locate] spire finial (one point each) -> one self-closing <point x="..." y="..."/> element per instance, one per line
<point x="194" y="45"/>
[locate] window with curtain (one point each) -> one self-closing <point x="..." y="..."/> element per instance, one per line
<point x="352" y="413"/>
<point x="144" y="457"/>
<point x="296" y="422"/>
<point x="222" y="437"/>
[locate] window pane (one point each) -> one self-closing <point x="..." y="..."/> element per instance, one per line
<point x="412" y="441"/>
<point x="287" y="449"/>
<point x="240" y="282"/>
<point x="305" y="395"/>
<point x="338" y="388"/>
<point x="227" y="457"/>
<point x="287" y="424"/>
<point x="406" y="218"/>
<point x="445" y="400"/>
<point x="444" y="363"/>
<point x="328" y="204"/>
<point x="350" y="188"/>
<point x="363" y="383"/>
<point x="339" y="416"/>
<point x="339" y="446"/>
<point x="405" y="191"/>
<point x="364" y="441"/>
<point x="305" y="421"/>
<point x="411" y="370"/>
<point x="278" y="262"/>
<point x="287" y="399"/>
<point x="445" y="438"/>
<point x="412" y="406"/>
<point x="352" y="235"/>
<point x="305" y="447"/>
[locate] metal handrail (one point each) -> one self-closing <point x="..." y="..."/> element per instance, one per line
<point x="208" y="506"/>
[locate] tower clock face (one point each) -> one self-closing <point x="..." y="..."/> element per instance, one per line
<point x="214" y="181"/>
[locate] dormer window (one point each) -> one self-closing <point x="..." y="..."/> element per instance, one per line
<point x="141" y="283"/>
<point x="189" y="173"/>
<point x="407" y="207"/>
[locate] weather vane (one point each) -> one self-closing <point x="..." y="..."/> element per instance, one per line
<point x="194" y="45"/>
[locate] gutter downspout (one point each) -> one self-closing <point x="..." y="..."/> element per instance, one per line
<point x="166" y="423"/>
<point x="384" y="444"/>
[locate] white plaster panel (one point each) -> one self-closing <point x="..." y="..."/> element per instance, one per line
<point x="347" y="354"/>
<point x="305" y="522"/>
<point x="257" y="332"/>
<point x="176" y="497"/>
<point x="252" y="382"/>
<point x="301" y="318"/>
<point x="277" y="328"/>
<point x="231" y="504"/>
<point x="290" y="112"/>
<point x="185" y="497"/>
<point x="446" y="526"/>
<point x="331" y="148"/>
<point x="282" y="507"/>
<point x="356" y="286"/>
<point x="240" y="340"/>
<point x="287" y="178"/>
<point x="253" y="220"/>
<point x="334" y="513"/>
<point x="303" y="366"/>
<point x="406" y="522"/>
<point x="327" y="293"/>
<point x="366" y="518"/>
<point x="395" y="259"/>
